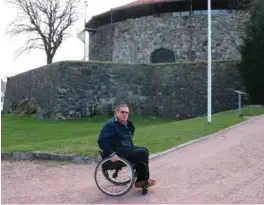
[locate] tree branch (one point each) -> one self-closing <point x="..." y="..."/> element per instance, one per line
<point x="47" y="19"/>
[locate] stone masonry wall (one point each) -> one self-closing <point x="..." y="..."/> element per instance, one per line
<point x="67" y="90"/>
<point x="101" y="44"/>
<point x="39" y="85"/>
<point x="134" y="40"/>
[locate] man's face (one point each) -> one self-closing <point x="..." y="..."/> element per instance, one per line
<point x="122" y="114"/>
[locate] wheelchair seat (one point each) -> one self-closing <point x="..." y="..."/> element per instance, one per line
<point x="113" y="165"/>
<point x="108" y="165"/>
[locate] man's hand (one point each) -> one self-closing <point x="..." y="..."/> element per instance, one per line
<point x="114" y="158"/>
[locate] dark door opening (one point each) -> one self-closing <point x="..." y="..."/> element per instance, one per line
<point x="162" y="55"/>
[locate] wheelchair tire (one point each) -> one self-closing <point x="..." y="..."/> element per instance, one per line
<point x="130" y="182"/>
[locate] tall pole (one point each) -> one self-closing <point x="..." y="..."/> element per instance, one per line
<point x="209" y="73"/>
<point x="85" y="6"/>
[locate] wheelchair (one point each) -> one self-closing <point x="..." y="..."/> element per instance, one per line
<point x="112" y="173"/>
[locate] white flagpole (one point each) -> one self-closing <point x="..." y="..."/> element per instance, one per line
<point x="209" y="73"/>
<point x="85" y="5"/>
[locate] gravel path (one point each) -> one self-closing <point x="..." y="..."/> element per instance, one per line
<point x="228" y="168"/>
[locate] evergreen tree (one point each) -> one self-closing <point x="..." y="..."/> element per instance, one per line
<point x="251" y="67"/>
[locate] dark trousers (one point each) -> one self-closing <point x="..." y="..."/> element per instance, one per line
<point x="139" y="157"/>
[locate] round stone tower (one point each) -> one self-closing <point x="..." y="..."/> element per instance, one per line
<point x="153" y="31"/>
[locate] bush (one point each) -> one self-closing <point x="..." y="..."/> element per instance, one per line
<point x="251" y="67"/>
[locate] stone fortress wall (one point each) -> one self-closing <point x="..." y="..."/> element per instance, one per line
<point x="69" y="90"/>
<point x="135" y="40"/>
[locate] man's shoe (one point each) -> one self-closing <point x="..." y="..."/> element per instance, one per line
<point x="140" y="184"/>
<point x="151" y="182"/>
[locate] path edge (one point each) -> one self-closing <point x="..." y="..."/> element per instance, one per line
<point x="160" y="154"/>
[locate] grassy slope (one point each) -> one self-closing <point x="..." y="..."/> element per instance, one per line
<point x="20" y="133"/>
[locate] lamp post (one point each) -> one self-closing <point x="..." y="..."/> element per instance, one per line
<point x="209" y="72"/>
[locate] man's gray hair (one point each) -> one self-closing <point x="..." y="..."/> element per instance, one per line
<point x="119" y="106"/>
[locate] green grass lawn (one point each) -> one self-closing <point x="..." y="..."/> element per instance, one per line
<point x="79" y="137"/>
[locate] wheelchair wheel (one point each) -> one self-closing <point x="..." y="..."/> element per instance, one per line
<point x="117" y="183"/>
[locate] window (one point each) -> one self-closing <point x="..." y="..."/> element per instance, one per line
<point x="162" y="55"/>
<point x="202" y="13"/>
<point x="213" y="12"/>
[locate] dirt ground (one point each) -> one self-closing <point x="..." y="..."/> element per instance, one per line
<point x="228" y="168"/>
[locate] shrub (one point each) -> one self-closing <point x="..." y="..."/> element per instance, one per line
<point x="251" y="67"/>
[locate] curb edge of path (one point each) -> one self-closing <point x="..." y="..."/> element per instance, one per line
<point x="160" y="154"/>
<point x="48" y="157"/>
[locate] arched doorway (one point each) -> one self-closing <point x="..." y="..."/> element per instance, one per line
<point x="162" y="55"/>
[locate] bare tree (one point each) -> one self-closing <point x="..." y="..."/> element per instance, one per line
<point x="44" y="22"/>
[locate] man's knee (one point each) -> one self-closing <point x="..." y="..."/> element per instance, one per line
<point x="142" y="153"/>
<point x="144" y="148"/>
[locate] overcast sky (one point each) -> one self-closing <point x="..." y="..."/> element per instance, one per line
<point x="71" y="49"/>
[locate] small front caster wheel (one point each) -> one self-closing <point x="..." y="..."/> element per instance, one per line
<point x="115" y="175"/>
<point x="144" y="191"/>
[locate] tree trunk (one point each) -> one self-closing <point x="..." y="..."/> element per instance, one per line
<point x="49" y="59"/>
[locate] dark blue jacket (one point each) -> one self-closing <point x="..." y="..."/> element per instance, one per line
<point x="116" y="136"/>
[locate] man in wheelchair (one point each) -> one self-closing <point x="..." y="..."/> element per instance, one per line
<point x="115" y="140"/>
